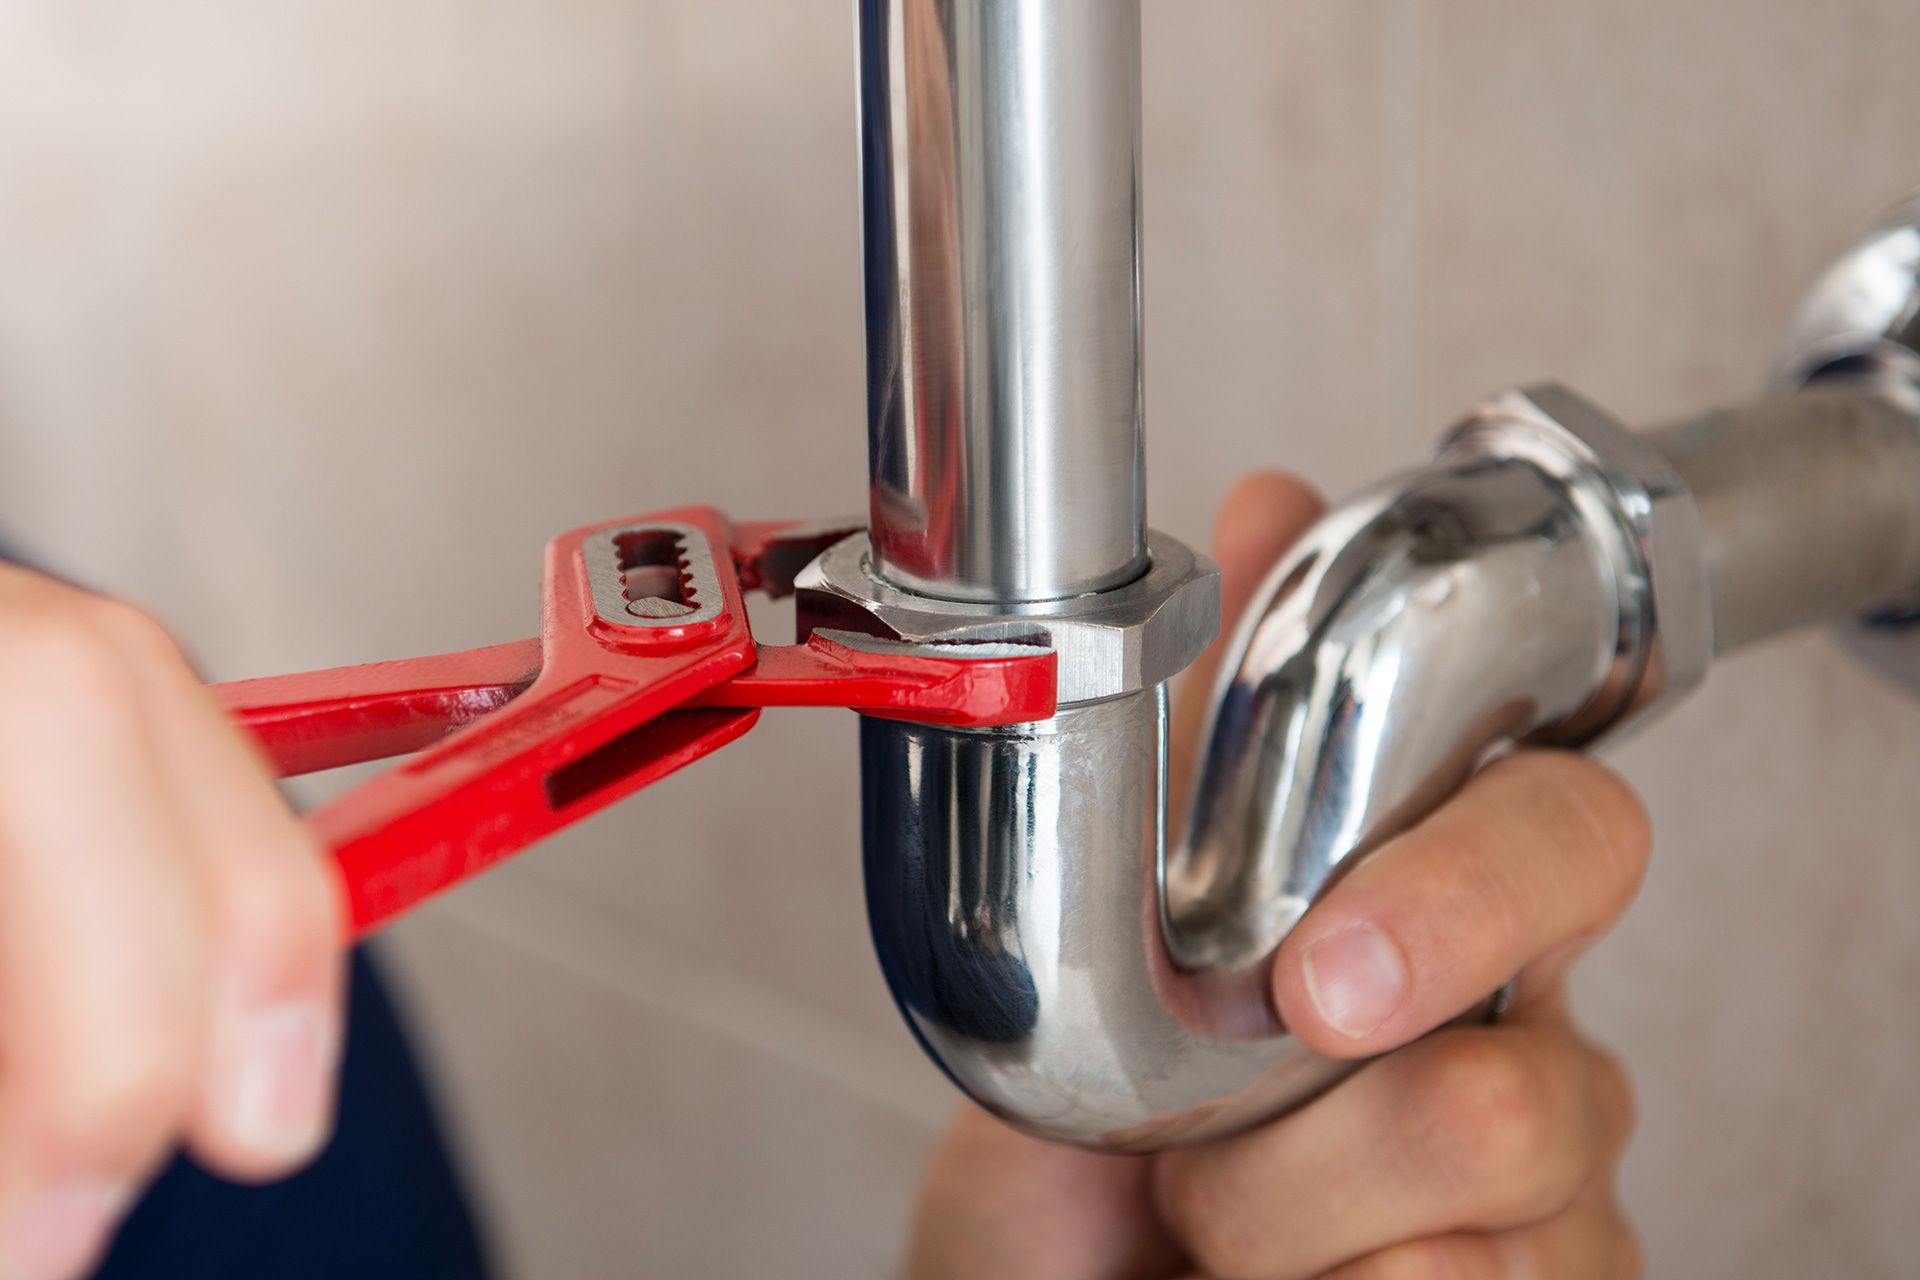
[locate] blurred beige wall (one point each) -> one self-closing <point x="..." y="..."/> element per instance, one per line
<point x="316" y="318"/>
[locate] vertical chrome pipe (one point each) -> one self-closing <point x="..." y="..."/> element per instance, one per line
<point x="1000" y="193"/>
<point x="1011" y="872"/>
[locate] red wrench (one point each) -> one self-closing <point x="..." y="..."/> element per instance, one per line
<point x="644" y="664"/>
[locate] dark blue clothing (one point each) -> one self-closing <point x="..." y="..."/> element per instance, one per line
<point x="383" y="1201"/>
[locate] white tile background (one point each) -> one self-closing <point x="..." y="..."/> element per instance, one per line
<point x="317" y="318"/>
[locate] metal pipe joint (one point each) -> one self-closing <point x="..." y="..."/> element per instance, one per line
<point x="1548" y="577"/>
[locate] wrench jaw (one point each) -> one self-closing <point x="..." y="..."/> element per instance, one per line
<point x="769" y="554"/>
<point x="1126" y="640"/>
<point x="646" y="662"/>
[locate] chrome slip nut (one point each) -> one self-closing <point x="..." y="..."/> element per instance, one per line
<point x="1110" y="643"/>
<point x="1620" y="479"/>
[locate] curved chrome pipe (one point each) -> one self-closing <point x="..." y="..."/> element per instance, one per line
<point x="1548" y="577"/>
<point x="1080" y="981"/>
<point x="1015" y="879"/>
<point x="1470" y="604"/>
<point x="1011" y="885"/>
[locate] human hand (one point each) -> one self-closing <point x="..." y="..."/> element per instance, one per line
<point x="170" y="968"/>
<point x="1485" y="1151"/>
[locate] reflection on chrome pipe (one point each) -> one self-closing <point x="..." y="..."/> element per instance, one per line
<point x="1000" y="181"/>
<point x="1542" y="579"/>
<point x="1011" y="881"/>
<point x="1082" y="980"/>
<point x="1467" y="605"/>
<point x="1548" y="577"/>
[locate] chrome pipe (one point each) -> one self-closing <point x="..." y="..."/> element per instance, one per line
<point x="1000" y="199"/>
<point x="1809" y="505"/>
<point x="1000" y="153"/>
<point x="1548" y="577"/>
<point x="1473" y="602"/>
<point x="1011" y="882"/>
<point x="1087" y="982"/>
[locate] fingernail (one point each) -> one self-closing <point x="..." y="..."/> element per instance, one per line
<point x="59" y="1234"/>
<point x="1357" y="979"/>
<point x="278" y="1102"/>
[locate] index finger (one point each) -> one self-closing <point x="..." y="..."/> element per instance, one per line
<point x="1535" y="857"/>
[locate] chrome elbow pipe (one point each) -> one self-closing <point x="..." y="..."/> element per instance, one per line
<point x="1539" y="580"/>
<point x="1081" y="979"/>
<point x="1547" y="578"/>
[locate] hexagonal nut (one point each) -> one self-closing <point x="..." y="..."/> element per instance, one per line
<point x="1112" y="642"/>
<point x="1569" y="437"/>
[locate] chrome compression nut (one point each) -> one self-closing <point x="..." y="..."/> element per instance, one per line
<point x="1619" y="477"/>
<point x="1113" y="642"/>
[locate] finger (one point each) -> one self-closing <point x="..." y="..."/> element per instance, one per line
<point x="1589" y="1241"/>
<point x="1263" y="515"/>
<point x="1533" y="859"/>
<point x="101" y="980"/>
<point x="274" y="923"/>
<point x="999" y="1205"/>
<point x="1478" y="1129"/>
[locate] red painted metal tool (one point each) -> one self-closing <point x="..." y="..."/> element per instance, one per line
<point x="645" y="663"/>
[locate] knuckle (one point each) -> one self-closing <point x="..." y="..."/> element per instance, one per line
<point x="1490" y="1123"/>
<point x="1209" y="1214"/>
<point x="135" y="630"/>
<point x="1595" y="815"/>
<point x="1617" y="819"/>
<point x="83" y="651"/>
<point x="54" y="642"/>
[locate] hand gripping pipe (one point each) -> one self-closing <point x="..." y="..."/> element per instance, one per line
<point x="1547" y="577"/>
